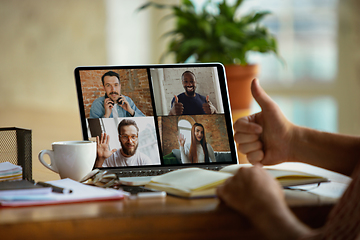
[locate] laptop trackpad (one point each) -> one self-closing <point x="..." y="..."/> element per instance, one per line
<point x="135" y="181"/>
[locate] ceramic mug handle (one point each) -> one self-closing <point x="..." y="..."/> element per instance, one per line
<point x="52" y="165"/>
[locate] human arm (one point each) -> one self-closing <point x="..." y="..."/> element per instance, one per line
<point x="98" y="109"/>
<point x="335" y="152"/>
<point x="269" y="138"/>
<point x="177" y="107"/>
<point x="183" y="152"/>
<point x="128" y="105"/>
<point x="103" y="151"/>
<point x="254" y="193"/>
<point x="208" y="107"/>
<point x="108" y="106"/>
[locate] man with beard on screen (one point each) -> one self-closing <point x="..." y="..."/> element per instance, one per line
<point x="127" y="155"/>
<point x="113" y="104"/>
<point x="190" y="102"/>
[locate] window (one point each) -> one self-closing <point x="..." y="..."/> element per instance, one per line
<point x="307" y="38"/>
<point x="302" y="85"/>
<point x="306" y="31"/>
<point x="185" y="129"/>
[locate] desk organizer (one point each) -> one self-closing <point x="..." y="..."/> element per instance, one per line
<point x="16" y="148"/>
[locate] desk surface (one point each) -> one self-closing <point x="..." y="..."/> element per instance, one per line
<point x="165" y="218"/>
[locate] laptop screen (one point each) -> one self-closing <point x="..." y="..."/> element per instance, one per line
<point x="156" y="115"/>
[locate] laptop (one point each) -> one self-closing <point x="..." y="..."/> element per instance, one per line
<point x="152" y="119"/>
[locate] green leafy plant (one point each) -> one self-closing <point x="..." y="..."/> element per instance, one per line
<point x="216" y="36"/>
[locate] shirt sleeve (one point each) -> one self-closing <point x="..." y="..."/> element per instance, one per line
<point x="137" y="113"/>
<point x="343" y="221"/>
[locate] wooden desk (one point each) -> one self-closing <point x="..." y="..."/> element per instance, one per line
<point x="161" y="218"/>
<point x="167" y="218"/>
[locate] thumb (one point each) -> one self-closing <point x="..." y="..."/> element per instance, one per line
<point x="207" y="98"/>
<point x="176" y="99"/>
<point x="261" y="96"/>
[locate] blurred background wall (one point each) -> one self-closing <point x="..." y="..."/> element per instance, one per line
<point x="43" y="41"/>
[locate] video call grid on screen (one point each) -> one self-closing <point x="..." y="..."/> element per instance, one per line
<point x="151" y="91"/>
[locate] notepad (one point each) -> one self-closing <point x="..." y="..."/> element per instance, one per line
<point x="198" y="182"/>
<point x="286" y="178"/>
<point x="81" y="193"/>
<point x="22" y="187"/>
<point x="9" y="171"/>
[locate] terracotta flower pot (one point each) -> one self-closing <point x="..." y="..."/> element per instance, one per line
<point x="239" y="81"/>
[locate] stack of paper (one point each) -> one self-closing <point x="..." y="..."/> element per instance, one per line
<point x="10" y="189"/>
<point x="80" y="193"/>
<point x="9" y="171"/>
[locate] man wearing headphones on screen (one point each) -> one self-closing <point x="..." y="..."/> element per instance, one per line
<point x="113" y="104"/>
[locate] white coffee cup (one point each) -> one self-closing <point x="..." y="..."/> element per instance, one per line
<point x="71" y="159"/>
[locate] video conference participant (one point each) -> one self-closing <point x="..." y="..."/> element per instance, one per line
<point x="198" y="151"/>
<point x="127" y="155"/>
<point x="113" y="104"/>
<point x="190" y="102"/>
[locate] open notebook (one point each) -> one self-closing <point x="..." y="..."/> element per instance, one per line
<point x="158" y="117"/>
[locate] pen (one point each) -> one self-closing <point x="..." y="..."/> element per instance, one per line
<point x="54" y="188"/>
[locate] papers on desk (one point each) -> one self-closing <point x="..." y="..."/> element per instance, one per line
<point x="198" y="182"/>
<point x="80" y="193"/>
<point x="189" y="182"/>
<point x="9" y="171"/>
<point x="21" y="188"/>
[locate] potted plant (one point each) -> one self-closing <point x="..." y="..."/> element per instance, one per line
<point x="217" y="34"/>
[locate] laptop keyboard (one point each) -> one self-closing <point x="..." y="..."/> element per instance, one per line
<point x="140" y="173"/>
<point x="154" y="172"/>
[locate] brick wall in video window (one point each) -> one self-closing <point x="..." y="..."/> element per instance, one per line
<point x="134" y="84"/>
